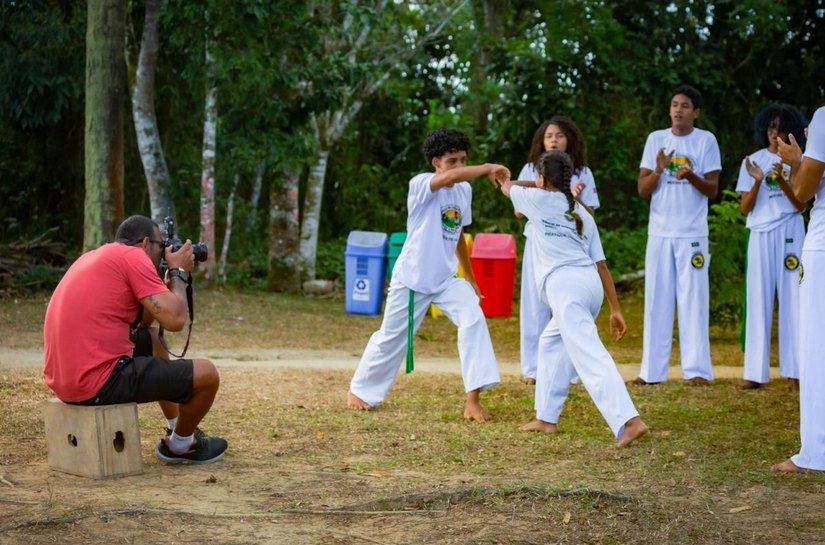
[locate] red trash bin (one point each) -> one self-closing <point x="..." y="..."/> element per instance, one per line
<point x="494" y="266"/>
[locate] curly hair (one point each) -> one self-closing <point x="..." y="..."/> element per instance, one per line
<point x="556" y="167"/>
<point x="575" y="141"/>
<point x="442" y="141"/>
<point x="785" y="118"/>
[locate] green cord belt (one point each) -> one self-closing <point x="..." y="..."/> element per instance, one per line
<point x="410" y="328"/>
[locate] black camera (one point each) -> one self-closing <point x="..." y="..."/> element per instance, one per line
<point x="171" y="241"/>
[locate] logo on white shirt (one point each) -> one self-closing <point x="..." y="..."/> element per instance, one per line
<point x="451" y="219"/>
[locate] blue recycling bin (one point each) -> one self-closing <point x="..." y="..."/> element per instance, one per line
<point x="366" y="262"/>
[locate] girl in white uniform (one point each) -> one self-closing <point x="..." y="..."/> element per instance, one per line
<point x="562" y="240"/>
<point x="774" y="219"/>
<point x="807" y="180"/>
<point x="559" y="133"/>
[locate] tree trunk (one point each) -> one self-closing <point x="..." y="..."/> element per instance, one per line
<point x="143" y="113"/>
<point x="105" y="83"/>
<point x="312" y="214"/>
<point x="230" y="211"/>
<point x="284" y="272"/>
<point x="488" y="19"/>
<point x="208" y="159"/>
<point x="256" y="196"/>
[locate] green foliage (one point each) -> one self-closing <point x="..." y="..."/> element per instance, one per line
<point x="41" y="61"/>
<point x="726" y="224"/>
<point x="624" y="249"/>
<point x="608" y="65"/>
<point x="31" y="280"/>
<point x="331" y="261"/>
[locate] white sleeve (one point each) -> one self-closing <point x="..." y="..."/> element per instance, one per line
<point x="595" y="250"/>
<point x="518" y="195"/>
<point x="468" y="214"/>
<point x="589" y="195"/>
<point x="713" y="158"/>
<point x="528" y="172"/>
<point x="420" y="191"/>
<point x="650" y="152"/>
<point x="815" y="148"/>
<point x="746" y="181"/>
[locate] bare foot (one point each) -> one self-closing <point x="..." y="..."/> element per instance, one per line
<point x="789" y="467"/>
<point x="633" y="429"/>
<point x="793" y="384"/>
<point x="748" y="385"/>
<point x="540" y="426"/>
<point x="355" y="402"/>
<point x="697" y="381"/>
<point x="527" y="380"/>
<point x="474" y="411"/>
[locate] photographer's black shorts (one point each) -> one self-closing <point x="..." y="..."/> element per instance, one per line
<point x="146" y="378"/>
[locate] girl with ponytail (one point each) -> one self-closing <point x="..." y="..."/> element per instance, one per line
<point x="557" y="133"/>
<point x="572" y="278"/>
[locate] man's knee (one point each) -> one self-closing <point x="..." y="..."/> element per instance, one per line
<point x="205" y="375"/>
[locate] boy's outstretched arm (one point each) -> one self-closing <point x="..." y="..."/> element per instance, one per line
<point x="497" y="174"/>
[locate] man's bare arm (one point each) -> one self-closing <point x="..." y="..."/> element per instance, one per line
<point x="168" y="308"/>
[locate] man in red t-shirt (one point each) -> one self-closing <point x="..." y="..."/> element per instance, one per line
<point x="90" y="356"/>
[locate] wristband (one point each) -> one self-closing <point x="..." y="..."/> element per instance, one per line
<point x="176" y="273"/>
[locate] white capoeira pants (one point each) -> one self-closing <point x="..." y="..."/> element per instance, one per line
<point x="570" y="344"/>
<point x="386" y="348"/>
<point x="811" y="363"/>
<point x="773" y="268"/>
<point x="676" y="274"/>
<point x="534" y="315"/>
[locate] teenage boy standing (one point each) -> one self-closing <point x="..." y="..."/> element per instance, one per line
<point x="679" y="171"/>
<point x="439" y="207"/>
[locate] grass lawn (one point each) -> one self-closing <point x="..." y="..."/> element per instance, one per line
<point x="303" y="469"/>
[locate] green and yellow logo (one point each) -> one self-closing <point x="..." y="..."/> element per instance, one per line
<point x="772" y="180"/>
<point x="791" y="262"/>
<point x="678" y="162"/>
<point x="451" y="219"/>
<point x="698" y="260"/>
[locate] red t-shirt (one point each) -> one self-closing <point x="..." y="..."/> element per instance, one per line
<point x="88" y="318"/>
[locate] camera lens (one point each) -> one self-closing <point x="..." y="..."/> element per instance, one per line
<point x="201" y="251"/>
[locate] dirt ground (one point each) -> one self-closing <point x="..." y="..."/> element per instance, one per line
<point x="301" y="469"/>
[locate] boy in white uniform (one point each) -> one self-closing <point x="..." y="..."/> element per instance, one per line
<point x="561" y="133"/>
<point x="680" y="172"/>
<point x="807" y="180"/>
<point x="563" y="241"/>
<point x="776" y="234"/>
<point x="439" y="207"/>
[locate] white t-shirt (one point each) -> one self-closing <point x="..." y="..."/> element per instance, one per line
<point x="772" y="208"/>
<point x="677" y="209"/>
<point x="555" y="241"/>
<point x="815" y="149"/>
<point x="589" y="194"/>
<point x="434" y="223"/>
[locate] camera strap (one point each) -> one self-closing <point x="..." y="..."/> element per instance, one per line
<point x="190" y="304"/>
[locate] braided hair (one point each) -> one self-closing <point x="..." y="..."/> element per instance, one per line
<point x="556" y="168"/>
